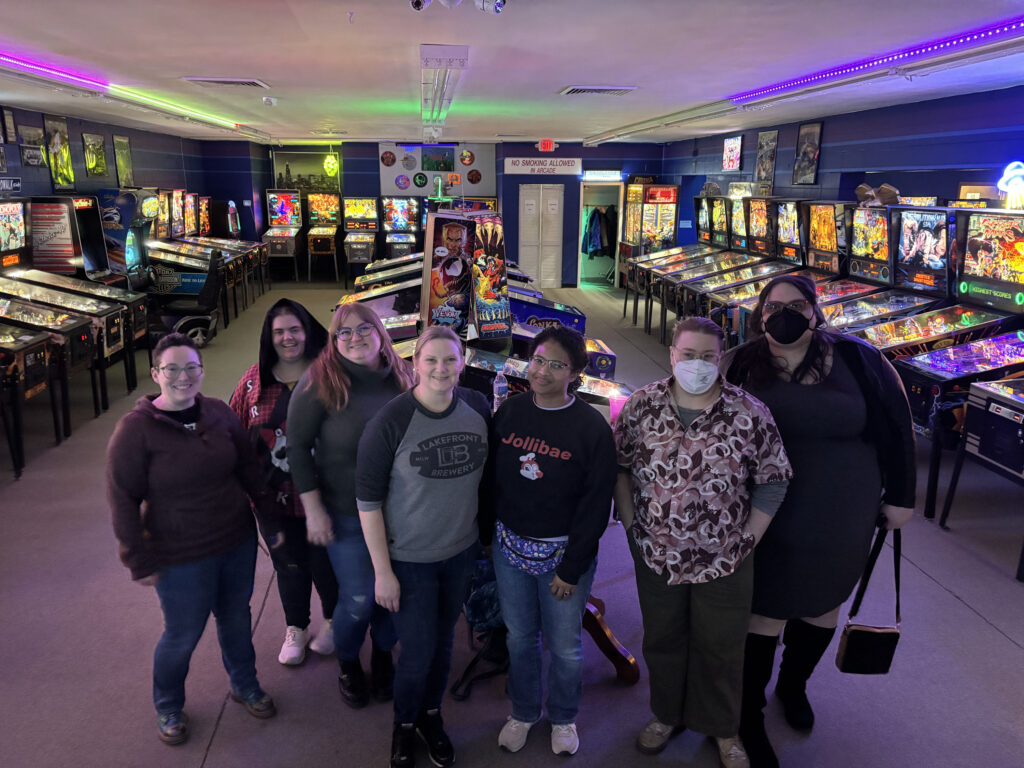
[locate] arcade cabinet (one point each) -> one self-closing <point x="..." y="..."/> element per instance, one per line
<point x="128" y="218"/>
<point x="204" y="216"/>
<point x="401" y="225"/>
<point x="191" y="214"/>
<point x="324" y="212"/>
<point x="361" y="226"/>
<point x="224" y="219"/>
<point x="286" y="237"/>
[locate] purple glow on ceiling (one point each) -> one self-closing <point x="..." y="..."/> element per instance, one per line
<point x="49" y="72"/>
<point x="1004" y="30"/>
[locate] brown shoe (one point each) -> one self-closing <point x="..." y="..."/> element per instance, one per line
<point x="172" y="728"/>
<point x="655" y="736"/>
<point x="257" y="703"/>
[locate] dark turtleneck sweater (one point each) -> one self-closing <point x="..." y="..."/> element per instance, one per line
<point x="322" y="442"/>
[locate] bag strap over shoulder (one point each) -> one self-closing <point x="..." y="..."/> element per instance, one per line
<point x="876" y="549"/>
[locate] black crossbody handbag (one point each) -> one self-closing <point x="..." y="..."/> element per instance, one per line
<point x="866" y="649"/>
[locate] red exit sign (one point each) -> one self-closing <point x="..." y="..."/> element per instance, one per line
<point x="546" y="145"/>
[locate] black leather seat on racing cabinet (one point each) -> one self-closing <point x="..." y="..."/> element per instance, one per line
<point x="205" y="302"/>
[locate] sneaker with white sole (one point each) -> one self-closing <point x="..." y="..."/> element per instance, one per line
<point x="655" y="736"/>
<point x="564" y="739"/>
<point x="293" y="650"/>
<point x="323" y="642"/>
<point x="513" y="734"/>
<point x="732" y="754"/>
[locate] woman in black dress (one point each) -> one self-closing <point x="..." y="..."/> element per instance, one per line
<point x="846" y="425"/>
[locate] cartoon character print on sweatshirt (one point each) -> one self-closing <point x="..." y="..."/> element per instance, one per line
<point x="530" y="469"/>
<point x="279" y="452"/>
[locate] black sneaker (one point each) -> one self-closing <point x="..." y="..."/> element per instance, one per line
<point x="403" y="746"/>
<point x="430" y="727"/>
<point x="382" y="675"/>
<point x="352" y="684"/>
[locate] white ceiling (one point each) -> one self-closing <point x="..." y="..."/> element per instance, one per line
<point x="353" y="65"/>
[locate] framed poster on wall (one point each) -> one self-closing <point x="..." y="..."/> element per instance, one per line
<point x="732" y="153"/>
<point x="767" y="142"/>
<point x="808" y="148"/>
<point x="59" y="146"/>
<point x="123" y="162"/>
<point x="95" y="154"/>
<point x="33" y="148"/>
<point x="318" y="172"/>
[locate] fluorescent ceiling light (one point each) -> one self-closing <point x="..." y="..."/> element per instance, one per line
<point x="710" y="111"/>
<point x="440" y="68"/>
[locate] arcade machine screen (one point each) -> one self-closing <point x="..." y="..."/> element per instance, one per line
<point x="285" y="209"/>
<point x="719" y="221"/>
<point x="871" y="234"/>
<point x="234" y="221"/>
<point x="789" y="224"/>
<point x="634" y="213"/>
<point x="12" y="234"/>
<point x="361" y="213"/>
<point x="204" y="216"/>
<point x="823" y="228"/>
<point x="921" y="202"/>
<point x="162" y="222"/>
<point x="967" y="204"/>
<point x="759" y="218"/>
<point x="400" y="214"/>
<point x="191" y="213"/>
<point x="993" y="267"/>
<point x="704" y="219"/>
<point x="921" y="255"/>
<point x="323" y="209"/>
<point x="177" y="213"/>
<point x="739" y="221"/>
<point x="91" y="239"/>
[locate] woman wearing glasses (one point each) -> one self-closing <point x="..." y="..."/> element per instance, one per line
<point x="417" y="483"/>
<point x="180" y="477"/>
<point x="355" y="375"/>
<point x="551" y="472"/>
<point x="846" y="425"/>
<point x="291" y="339"/>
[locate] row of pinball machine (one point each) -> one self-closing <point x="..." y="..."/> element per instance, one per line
<point x="87" y="280"/>
<point x="939" y="290"/>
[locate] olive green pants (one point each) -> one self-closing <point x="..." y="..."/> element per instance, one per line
<point x="694" y="637"/>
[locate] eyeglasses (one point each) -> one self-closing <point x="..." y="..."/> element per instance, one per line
<point x="554" y="365"/>
<point x="192" y="370"/>
<point x="707" y="357"/>
<point x="800" y="305"/>
<point x="360" y="331"/>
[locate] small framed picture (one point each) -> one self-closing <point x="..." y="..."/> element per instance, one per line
<point x="3" y="159"/>
<point x="11" y="134"/>
<point x="732" y="153"/>
<point x="33" y="146"/>
<point x="808" y="149"/>
<point x="767" y="142"/>
<point x="123" y="162"/>
<point x="95" y="154"/>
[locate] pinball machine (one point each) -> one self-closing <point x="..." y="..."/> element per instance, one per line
<point x="24" y="373"/>
<point x="190" y="210"/>
<point x="286" y="238"/>
<point x="324" y="212"/>
<point x="254" y="257"/>
<point x="204" y="217"/>
<point x="401" y="224"/>
<point x="361" y="226"/>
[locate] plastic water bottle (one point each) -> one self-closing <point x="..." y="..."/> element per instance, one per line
<point x="500" y="389"/>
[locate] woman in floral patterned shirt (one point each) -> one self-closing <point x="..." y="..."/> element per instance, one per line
<point x="702" y="469"/>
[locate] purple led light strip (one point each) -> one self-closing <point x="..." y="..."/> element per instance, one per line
<point x="50" y="72"/>
<point x="1003" y="30"/>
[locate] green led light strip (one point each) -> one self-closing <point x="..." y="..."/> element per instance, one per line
<point x="131" y="95"/>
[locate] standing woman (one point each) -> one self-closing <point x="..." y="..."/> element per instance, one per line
<point x="417" y="480"/>
<point x="552" y="472"/>
<point x="291" y="339"/>
<point x="354" y="376"/>
<point x="181" y="476"/>
<point x="846" y="426"/>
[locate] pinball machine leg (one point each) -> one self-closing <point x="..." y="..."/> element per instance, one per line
<point x="934" y="462"/>
<point x="12" y="429"/>
<point x="958" y="463"/>
<point x="337" y="279"/>
<point x="224" y="305"/>
<point x="636" y="303"/>
<point x="625" y="299"/>
<point x="126" y="352"/>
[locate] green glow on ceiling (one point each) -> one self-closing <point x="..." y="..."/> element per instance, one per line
<point x="142" y="98"/>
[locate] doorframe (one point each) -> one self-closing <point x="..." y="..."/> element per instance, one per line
<point x="579" y="232"/>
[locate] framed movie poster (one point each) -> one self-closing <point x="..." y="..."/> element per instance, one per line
<point x="59" y="147"/>
<point x="732" y="153"/>
<point x="767" y="141"/>
<point x="11" y="134"/>
<point x="95" y="154"/>
<point x="33" y="149"/>
<point x="808" y="147"/>
<point x="123" y="162"/>
<point x="3" y="159"/>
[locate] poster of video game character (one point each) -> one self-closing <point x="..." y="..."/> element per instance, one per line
<point x="447" y="273"/>
<point x="995" y="248"/>
<point x="923" y="240"/>
<point x="491" y="314"/>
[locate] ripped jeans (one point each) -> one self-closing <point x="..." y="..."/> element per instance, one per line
<point x="356" y="608"/>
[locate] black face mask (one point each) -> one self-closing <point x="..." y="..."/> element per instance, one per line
<point x="786" y="325"/>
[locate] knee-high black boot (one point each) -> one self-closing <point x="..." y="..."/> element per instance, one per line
<point x="805" y="644"/>
<point x="759" y="658"/>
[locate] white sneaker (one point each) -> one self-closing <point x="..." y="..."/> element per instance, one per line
<point x="293" y="651"/>
<point x="731" y="753"/>
<point x="513" y="734"/>
<point x="323" y="643"/>
<point x="564" y="739"/>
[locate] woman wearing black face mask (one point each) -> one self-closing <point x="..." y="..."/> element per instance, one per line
<point x="847" y="429"/>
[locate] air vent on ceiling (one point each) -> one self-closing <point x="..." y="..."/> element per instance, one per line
<point x="327" y="132"/>
<point x="226" y="82"/>
<point x="600" y="90"/>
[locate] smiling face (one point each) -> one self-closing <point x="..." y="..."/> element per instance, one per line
<point x="362" y="345"/>
<point x="547" y="381"/>
<point x="289" y="338"/>
<point x="438" y="364"/>
<point x="178" y="386"/>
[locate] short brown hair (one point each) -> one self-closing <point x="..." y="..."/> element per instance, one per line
<point x="174" y="340"/>
<point x="698" y="325"/>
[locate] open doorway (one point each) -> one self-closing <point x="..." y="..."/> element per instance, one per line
<point x="600" y="214"/>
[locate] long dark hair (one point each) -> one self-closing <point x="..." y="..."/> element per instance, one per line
<point x="759" y="366"/>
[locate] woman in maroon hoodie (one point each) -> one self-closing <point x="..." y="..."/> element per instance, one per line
<point x="181" y="476"/>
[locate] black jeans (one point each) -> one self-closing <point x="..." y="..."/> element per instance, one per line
<point x="300" y="565"/>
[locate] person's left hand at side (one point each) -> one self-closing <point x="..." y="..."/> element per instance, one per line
<point x="560" y="589"/>
<point x="896" y="517"/>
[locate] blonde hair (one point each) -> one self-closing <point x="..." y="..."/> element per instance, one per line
<point x="327" y="373"/>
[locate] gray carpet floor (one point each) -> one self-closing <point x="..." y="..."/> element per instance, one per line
<point x="77" y="635"/>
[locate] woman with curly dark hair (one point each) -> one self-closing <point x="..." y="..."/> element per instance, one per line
<point x="846" y="426"/>
<point x="552" y="469"/>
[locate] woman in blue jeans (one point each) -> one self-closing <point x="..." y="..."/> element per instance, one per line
<point x="417" y="483"/>
<point x="180" y="477"/>
<point x="354" y="376"/>
<point x="551" y="472"/>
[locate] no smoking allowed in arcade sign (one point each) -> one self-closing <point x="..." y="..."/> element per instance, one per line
<point x="544" y="166"/>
